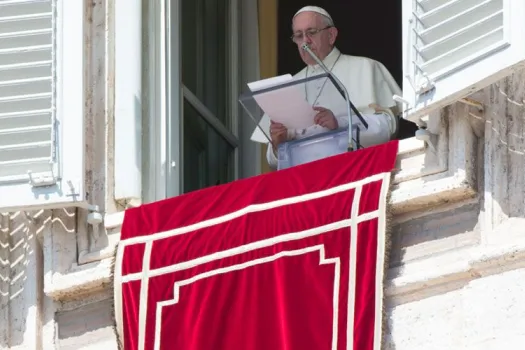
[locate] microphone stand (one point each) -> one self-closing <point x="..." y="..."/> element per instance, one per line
<point x="344" y="92"/>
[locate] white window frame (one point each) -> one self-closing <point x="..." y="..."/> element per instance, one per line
<point x="127" y="100"/>
<point x="164" y="164"/>
<point x="69" y="188"/>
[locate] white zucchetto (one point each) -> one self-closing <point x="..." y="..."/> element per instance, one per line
<point x="316" y="9"/>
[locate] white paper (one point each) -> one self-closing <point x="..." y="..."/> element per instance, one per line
<point x="262" y="136"/>
<point x="284" y="105"/>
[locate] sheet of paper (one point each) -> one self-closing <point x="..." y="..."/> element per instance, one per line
<point x="284" y="105"/>
<point x="262" y="131"/>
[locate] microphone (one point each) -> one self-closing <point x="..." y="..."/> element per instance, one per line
<point x="314" y="56"/>
<point x="344" y="92"/>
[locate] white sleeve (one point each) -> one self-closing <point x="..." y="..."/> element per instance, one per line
<point x="342" y="121"/>
<point x="270" y="157"/>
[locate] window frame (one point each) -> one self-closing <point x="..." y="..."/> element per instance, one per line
<point x="227" y="132"/>
<point x="69" y="187"/>
<point x="164" y="166"/>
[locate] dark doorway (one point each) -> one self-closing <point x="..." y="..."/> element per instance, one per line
<point x="366" y="28"/>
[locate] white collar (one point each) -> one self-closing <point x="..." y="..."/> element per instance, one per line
<point x="329" y="60"/>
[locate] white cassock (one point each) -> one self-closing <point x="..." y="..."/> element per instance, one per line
<point x="367" y="81"/>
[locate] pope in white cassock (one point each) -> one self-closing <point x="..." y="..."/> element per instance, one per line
<point x="368" y="82"/>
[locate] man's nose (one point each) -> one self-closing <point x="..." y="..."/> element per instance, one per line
<point x="306" y="39"/>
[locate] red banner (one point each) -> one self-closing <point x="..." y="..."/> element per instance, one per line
<point x="288" y="260"/>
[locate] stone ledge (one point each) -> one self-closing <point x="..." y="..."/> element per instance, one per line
<point x="115" y="220"/>
<point x="79" y="281"/>
<point x="416" y="280"/>
<point x="424" y="178"/>
<point x="420" y="194"/>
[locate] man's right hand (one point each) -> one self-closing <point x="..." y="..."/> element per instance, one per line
<point x="278" y="133"/>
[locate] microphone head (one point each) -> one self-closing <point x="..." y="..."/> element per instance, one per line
<point x="305" y="47"/>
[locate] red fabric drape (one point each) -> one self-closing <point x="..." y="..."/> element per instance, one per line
<point x="286" y="260"/>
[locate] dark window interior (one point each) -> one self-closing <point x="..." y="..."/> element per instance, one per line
<point x="366" y="28"/>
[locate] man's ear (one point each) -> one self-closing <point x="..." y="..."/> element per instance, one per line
<point x="333" y="35"/>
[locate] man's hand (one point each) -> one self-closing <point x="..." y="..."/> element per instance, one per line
<point x="278" y="133"/>
<point x="325" y="118"/>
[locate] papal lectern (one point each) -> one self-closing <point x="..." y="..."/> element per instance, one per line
<point x="287" y="101"/>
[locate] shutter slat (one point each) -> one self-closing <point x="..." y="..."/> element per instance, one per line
<point x="20" y="40"/>
<point x="11" y="67"/>
<point x="462" y="36"/>
<point x="16" y="154"/>
<point x="457" y="21"/>
<point x="19" y="152"/>
<point x="465" y="52"/>
<point x="25" y="97"/>
<point x="44" y="49"/>
<point x="28" y="145"/>
<point x="25" y="135"/>
<point x="442" y="13"/>
<point x="23" y="7"/>
<point x="20" y="105"/>
<point x="429" y="5"/>
<point x="26" y="87"/>
<point x="17" y="169"/>
<point x="13" y="116"/>
<point x="31" y="86"/>
<point x="17" y="36"/>
<point x="451" y="31"/>
<point x="20" y="18"/>
<point x="33" y="119"/>
<point x="20" y="72"/>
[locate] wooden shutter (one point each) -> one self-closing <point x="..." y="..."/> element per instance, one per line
<point x="455" y="47"/>
<point x="41" y="113"/>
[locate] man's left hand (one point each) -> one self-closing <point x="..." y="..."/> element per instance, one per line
<point x="325" y="118"/>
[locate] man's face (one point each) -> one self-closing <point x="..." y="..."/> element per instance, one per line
<point x="321" y="43"/>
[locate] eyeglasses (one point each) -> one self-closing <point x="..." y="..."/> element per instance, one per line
<point x="298" y="37"/>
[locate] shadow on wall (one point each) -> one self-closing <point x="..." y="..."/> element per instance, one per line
<point x="17" y="266"/>
<point x="25" y="311"/>
<point x="21" y="277"/>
